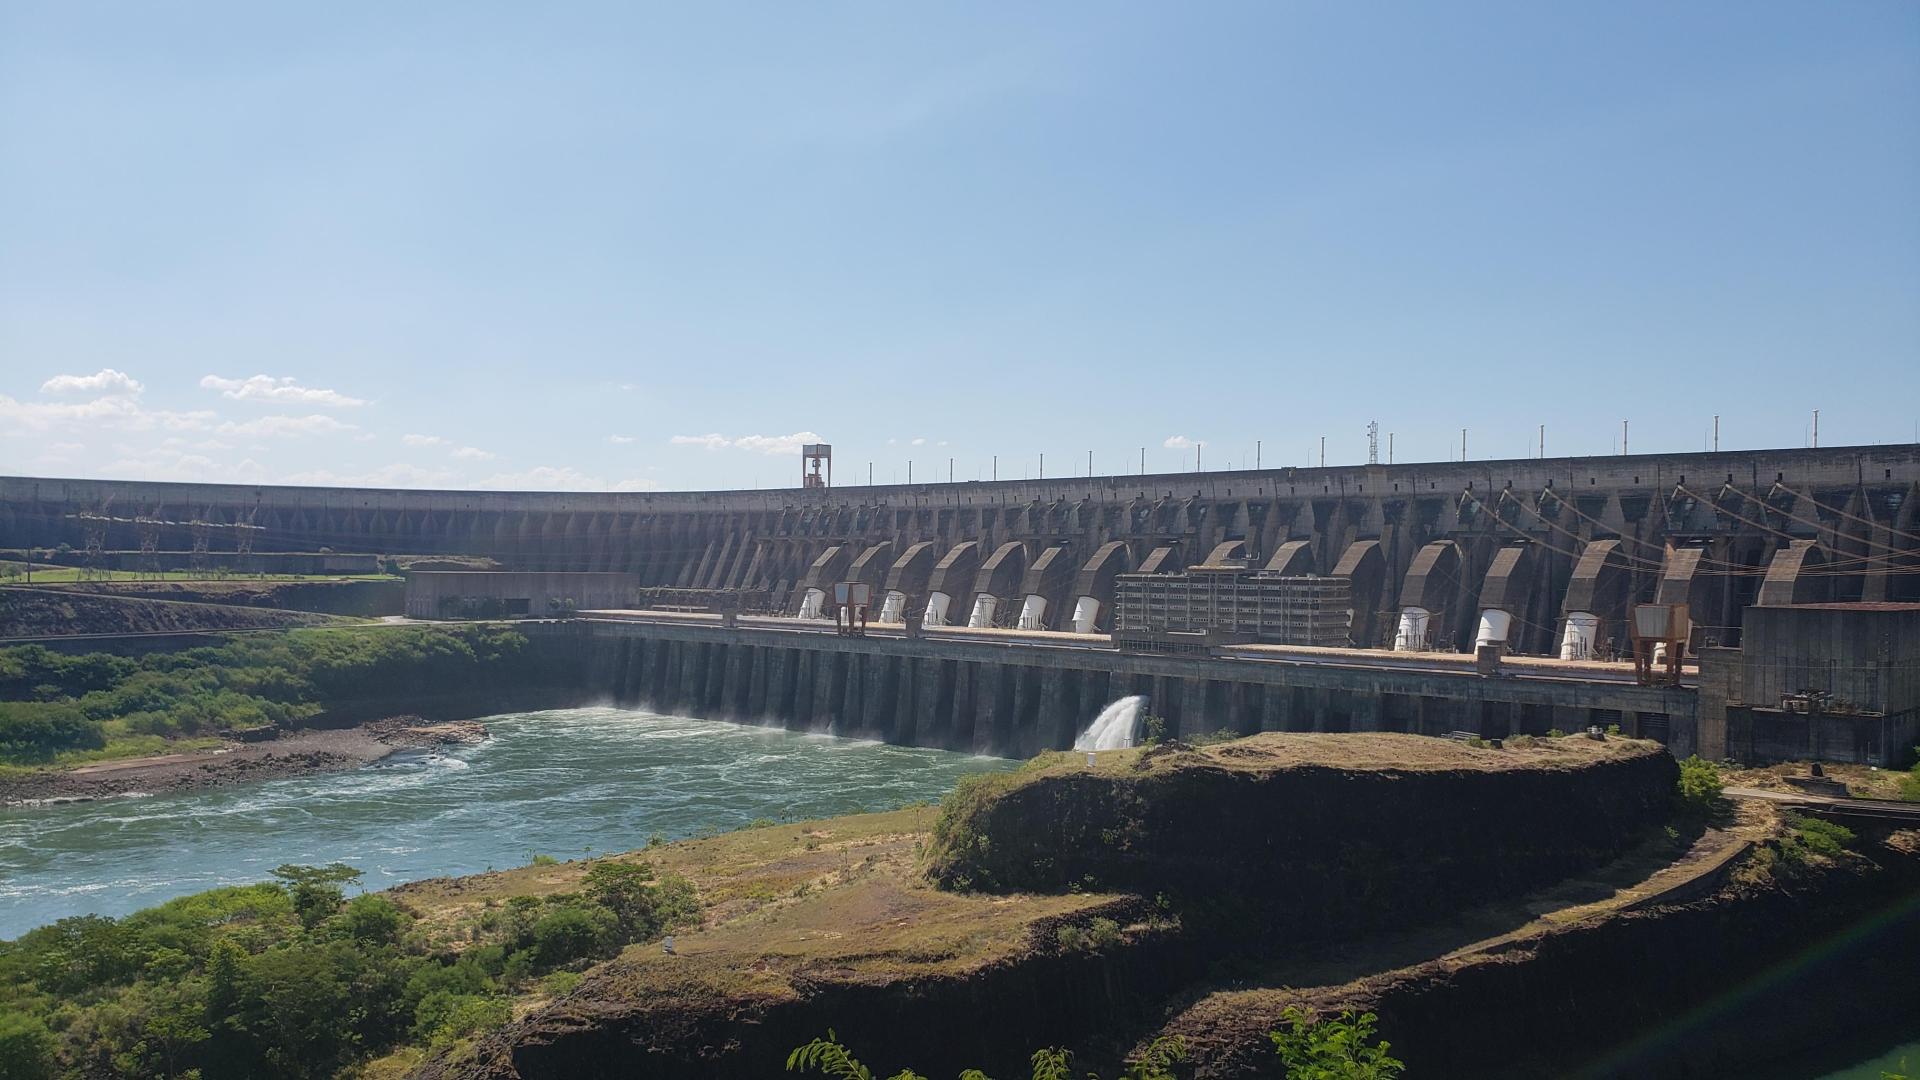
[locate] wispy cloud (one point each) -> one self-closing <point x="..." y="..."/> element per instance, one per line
<point x="279" y="391"/>
<point x="423" y="440"/>
<point x="397" y="475"/>
<point x="760" y="444"/>
<point x="117" y="412"/>
<point x="472" y="453"/>
<point x="563" y="478"/>
<point x="619" y="440"/>
<point x="284" y="426"/>
<point x="104" y="381"/>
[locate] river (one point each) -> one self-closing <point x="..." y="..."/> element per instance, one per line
<point x="561" y="783"/>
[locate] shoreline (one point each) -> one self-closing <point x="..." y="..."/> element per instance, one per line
<point x="295" y="753"/>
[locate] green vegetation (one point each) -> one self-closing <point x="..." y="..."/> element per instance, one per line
<point x="1153" y="730"/>
<point x="1342" y="1047"/>
<point x="1095" y="936"/>
<point x="1699" y="787"/>
<point x="1816" y="836"/>
<point x="60" y="709"/>
<point x="1910" y="783"/>
<point x="291" y="979"/>
<point x="1804" y="844"/>
<point x="829" y="1057"/>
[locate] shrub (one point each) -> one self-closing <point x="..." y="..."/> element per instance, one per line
<point x="442" y="1016"/>
<point x="574" y="932"/>
<point x="1341" y="1047"/>
<point x="1818" y="836"/>
<point x="373" y="920"/>
<point x="35" y="731"/>
<point x="1699" y="786"/>
<point x="1096" y="935"/>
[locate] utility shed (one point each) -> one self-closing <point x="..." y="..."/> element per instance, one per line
<point x="1831" y="682"/>
<point x="480" y="594"/>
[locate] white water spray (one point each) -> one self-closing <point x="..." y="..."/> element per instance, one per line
<point x="1113" y="728"/>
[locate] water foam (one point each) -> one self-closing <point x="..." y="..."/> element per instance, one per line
<point x="1113" y="728"/>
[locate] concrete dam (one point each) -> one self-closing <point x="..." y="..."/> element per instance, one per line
<point x="997" y="608"/>
<point x="1555" y="549"/>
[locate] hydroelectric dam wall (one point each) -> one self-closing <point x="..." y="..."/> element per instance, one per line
<point x="984" y="696"/>
<point x="1557" y="546"/>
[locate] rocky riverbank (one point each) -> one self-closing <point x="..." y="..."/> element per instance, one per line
<point x="293" y="753"/>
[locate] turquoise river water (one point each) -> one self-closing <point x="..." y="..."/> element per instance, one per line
<point x="560" y="783"/>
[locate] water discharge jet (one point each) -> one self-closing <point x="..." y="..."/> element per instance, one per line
<point x="1113" y="728"/>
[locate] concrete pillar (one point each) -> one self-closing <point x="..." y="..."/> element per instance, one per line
<point x="1367" y="708"/>
<point x="966" y="706"/>
<point x="1276" y="707"/>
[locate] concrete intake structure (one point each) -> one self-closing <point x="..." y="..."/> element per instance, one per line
<point x="1543" y="555"/>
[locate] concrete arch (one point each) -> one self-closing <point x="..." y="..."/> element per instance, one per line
<point x="905" y="587"/>
<point x="1093" y="586"/>
<point x="950" y="588"/>
<point x="1164" y="559"/>
<point x="1427" y="598"/>
<point x="1295" y="557"/>
<point x="1506" y="602"/>
<point x="1598" y="589"/>
<point x="1225" y="554"/>
<point x="1365" y="569"/>
<point x="1796" y="575"/>
<point x="829" y="567"/>
<point x="997" y="584"/>
<point x="1044" y="588"/>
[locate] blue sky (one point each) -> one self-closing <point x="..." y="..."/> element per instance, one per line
<point x="636" y="246"/>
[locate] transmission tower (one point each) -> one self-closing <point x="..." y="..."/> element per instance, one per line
<point x="1373" y="442"/>
<point x="149" y="528"/>
<point x="201" y="528"/>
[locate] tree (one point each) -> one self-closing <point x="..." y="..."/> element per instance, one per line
<point x="26" y="1048"/>
<point x="372" y="920"/>
<point x="627" y="890"/>
<point x="316" y="889"/>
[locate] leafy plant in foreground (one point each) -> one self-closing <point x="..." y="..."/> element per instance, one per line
<point x="1341" y="1047"/>
<point x="1699" y="786"/>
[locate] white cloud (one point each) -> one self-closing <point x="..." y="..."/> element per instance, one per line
<point x="167" y="464"/>
<point x="423" y="440"/>
<point x="472" y="453"/>
<point x="280" y="391"/>
<point x="1178" y="442"/>
<point x="122" y="413"/>
<point x="777" y="445"/>
<point x="619" y="440"/>
<point x="780" y="445"/>
<point x="104" y="381"/>
<point x="563" y="478"/>
<point x="277" y="426"/>
<point x="390" y="476"/>
<point x="920" y="440"/>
